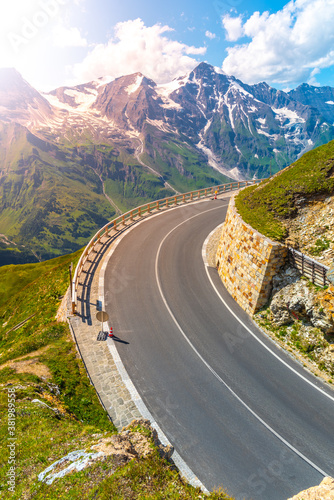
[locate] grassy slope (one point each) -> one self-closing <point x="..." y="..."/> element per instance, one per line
<point x="179" y="162"/>
<point x="49" y="201"/>
<point x="40" y="361"/>
<point x="51" y="197"/>
<point x="266" y="207"/>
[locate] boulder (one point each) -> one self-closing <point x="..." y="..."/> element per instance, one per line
<point x="325" y="491"/>
<point x="298" y="301"/>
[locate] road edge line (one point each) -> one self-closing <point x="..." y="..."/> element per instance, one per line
<point x="182" y="466"/>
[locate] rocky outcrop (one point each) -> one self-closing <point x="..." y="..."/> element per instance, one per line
<point x="301" y="317"/>
<point x="300" y="301"/>
<point x="312" y="230"/>
<point x="325" y="491"/>
<point x="129" y="444"/>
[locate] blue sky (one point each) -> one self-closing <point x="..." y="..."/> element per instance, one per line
<point x="65" y="42"/>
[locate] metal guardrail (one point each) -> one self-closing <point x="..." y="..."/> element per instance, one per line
<point x="170" y="202"/>
<point x="308" y="267"/>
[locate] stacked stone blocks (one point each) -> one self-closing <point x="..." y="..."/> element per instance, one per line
<point x="247" y="261"/>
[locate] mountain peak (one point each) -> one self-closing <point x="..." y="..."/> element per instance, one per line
<point x="10" y="79"/>
<point x="16" y="95"/>
<point x="204" y="69"/>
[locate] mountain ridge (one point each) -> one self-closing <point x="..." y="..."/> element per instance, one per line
<point x="128" y="140"/>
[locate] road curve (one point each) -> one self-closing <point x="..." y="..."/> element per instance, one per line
<point x="238" y="409"/>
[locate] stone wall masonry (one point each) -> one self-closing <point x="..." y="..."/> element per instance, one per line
<point x="247" y="261"/>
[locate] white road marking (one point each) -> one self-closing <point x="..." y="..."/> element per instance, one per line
<point x="261" y="342"/>
<point x="135" y="396"/>
<point x="276" y="434"/>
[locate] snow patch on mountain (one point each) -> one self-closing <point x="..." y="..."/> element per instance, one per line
<point x="84" y="100"/>
<point x="104" y="80"/>
<point x="165" y="90"/>
<point x="54" y="101"/>
<point x="215" y="163"/>
<point x="287" y="114"/>
<point x="131" y="89"/>
<point x="160" y="125"/>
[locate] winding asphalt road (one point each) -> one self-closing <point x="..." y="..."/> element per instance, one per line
<point x="238" y="409"/>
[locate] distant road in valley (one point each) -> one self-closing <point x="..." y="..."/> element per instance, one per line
<point x="240" y="412"/>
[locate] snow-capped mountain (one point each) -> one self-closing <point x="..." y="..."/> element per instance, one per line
<point x="238" y="128"/>
<point x="321" y="98"/>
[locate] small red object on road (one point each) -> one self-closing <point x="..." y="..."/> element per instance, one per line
<point x="111" y="333"/>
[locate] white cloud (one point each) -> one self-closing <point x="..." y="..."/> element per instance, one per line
<point x="210" y="35"/>
<point x="67" y="37"/>
<point x="285" y="47"/>
<point x="138" y="48"/>
<point x="233" y="27"/>
<point x="312" y="80"/>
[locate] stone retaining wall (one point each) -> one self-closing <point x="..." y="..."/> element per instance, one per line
<point x="247" y="261"/>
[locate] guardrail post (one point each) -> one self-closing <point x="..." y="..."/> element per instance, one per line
<point x="158" y="205"/>
<point x="148" y="208"/>
<point x="131" y="215"/>
<point x="175" y="200"/>
<point x="139" y="211"/>
<point x="167" y="202"/>
<point x="238" y="185"/>
<point x="191" y="196"/>
<point x="206" y="192"/>
<point x="231" y="186"/>
<point x="115" y="225"/>
<point x="184" y="198"/>
<point x="123" y="220"/>
<point x="198" y="195"/>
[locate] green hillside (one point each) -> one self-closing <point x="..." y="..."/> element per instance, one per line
<point x="57" y="409"/>
<point x="268" y="206"/>
<point x="51" y="191"/>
